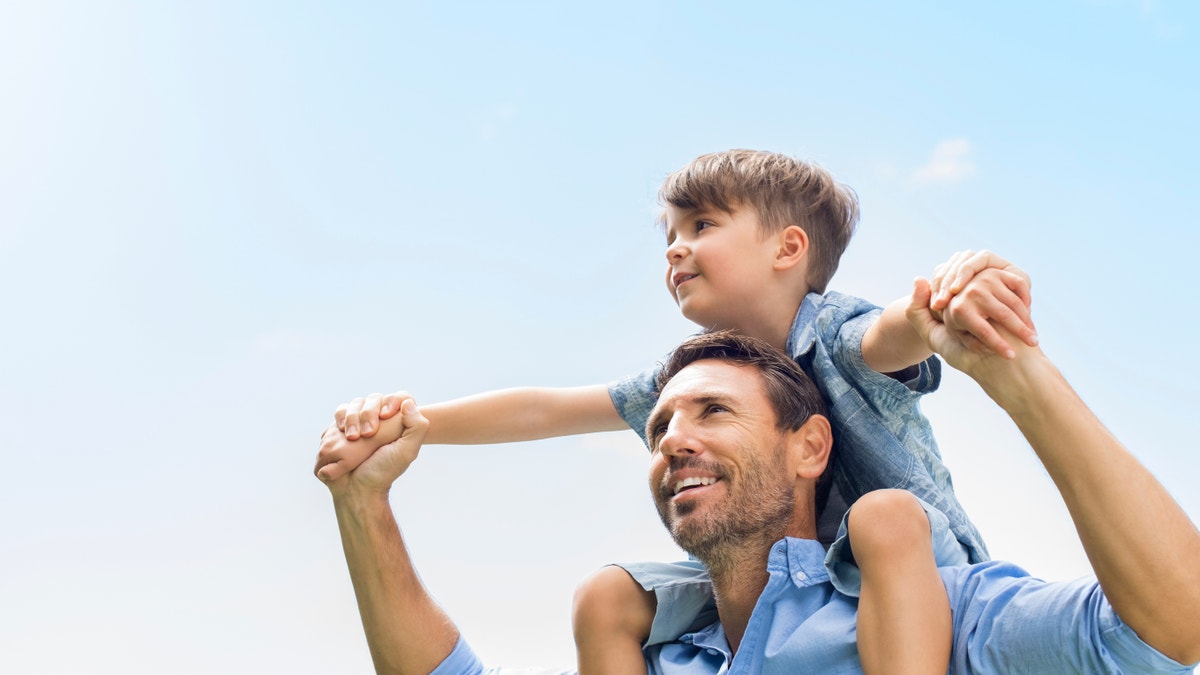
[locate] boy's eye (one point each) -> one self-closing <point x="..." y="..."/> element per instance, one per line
<point x="702" y="225"/>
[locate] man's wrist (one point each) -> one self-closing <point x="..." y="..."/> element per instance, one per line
<point x="1019" y="385"/>
<point x="359" y="499"/>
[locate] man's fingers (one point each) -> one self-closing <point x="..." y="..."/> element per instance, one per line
<point x="368" y="415"/>
<point x="415" y="424"/>
<point x="331" y="472"/>
<point x="391" y="404"/>
<point x="351" y="418"/>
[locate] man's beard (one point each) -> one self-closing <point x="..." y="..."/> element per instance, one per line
<point x="758" y="508"/>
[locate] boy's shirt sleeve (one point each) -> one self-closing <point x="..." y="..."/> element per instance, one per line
<point x="634" y="397"/>
<point x="882" y="439"/>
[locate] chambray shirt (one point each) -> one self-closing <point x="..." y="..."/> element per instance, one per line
<point x="881" y="437"/>
<point x="1005" y="621"/>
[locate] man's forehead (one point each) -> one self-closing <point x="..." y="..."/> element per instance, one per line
<point x="711" y="377"/>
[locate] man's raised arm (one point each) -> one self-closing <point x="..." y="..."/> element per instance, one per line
<point x="1143" y="547"/>
<point x="406" y="630"/>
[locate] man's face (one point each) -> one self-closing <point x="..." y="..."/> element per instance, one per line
<point x="719" y="472"/>
<point x="718" y="265"/>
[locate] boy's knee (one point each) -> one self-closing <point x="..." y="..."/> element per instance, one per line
<point x="610" y="600"/>
<point x="887" y="519"/>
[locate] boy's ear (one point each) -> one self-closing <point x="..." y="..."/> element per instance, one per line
<point x="810" y="446"/>
<point x="793" y="246"/>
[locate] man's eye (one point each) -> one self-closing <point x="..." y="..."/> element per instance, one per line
<point x="658" y="431"/>
<point x="714" y="408"/>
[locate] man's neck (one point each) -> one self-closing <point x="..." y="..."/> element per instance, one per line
<point x="739" y="578"/>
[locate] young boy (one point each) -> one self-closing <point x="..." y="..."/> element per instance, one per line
<point x="752" y="240"/>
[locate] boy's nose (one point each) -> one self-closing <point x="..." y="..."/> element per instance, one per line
<point x="676" y="251"/>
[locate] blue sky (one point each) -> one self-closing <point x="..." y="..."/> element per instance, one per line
<point x="219" y="221"/>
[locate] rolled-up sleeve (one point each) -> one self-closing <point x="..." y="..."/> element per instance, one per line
<point x="463" y="661"/>
<point x="1008" y="622"/>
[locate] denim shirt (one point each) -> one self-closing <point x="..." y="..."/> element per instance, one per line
<point x="1004" y="620"/>
<point x="881" y="438"/>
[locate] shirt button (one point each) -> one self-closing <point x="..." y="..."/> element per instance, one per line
<point x="801" y="576"/>
<point x="712" y="651"/>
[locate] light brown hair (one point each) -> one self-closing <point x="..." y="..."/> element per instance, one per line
<point x="782" y="190"/>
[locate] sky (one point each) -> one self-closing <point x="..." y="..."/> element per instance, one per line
<point x="219" y="220"/>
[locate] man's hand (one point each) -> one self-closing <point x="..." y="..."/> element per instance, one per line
<point x="377" y="473"/>
<point x="940" y="338"/>
<point x="974" y="294"/>
<point x="345" y="445"/>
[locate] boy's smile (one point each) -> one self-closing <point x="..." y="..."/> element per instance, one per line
<point x="718" y="265"/>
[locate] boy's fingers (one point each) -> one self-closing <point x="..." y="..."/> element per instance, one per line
<point x="945" y="276"/>
<point x="339" y="417"/>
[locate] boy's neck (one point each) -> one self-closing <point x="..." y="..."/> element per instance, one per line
<point x="775" y="327"/>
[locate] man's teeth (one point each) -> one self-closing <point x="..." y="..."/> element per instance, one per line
<point x="692" y="482"/>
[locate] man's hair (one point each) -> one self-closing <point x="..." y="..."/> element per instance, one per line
<point x="782" y="190"/>
<point x="792" y="394"/>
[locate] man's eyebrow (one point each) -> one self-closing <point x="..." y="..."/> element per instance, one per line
<point x="699" y="400"/>
<point x="656" y="418"/>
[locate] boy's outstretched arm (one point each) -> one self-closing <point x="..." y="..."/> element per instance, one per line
<point x="989" y="292"/>
<point x="503" y="416"/>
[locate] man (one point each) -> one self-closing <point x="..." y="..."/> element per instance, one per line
<point x="750" y="516"/>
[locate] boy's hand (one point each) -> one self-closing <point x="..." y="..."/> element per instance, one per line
<point x="380" y="469"/>
<point x="952" y="276"/>
<point x="360" y="418"/>
<point x="340" y="452"/>
<point x="996" y="295"/>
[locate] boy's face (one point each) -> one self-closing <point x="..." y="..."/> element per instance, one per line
<point x="718" y="265"/>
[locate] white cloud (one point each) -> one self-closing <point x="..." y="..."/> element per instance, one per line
<point x="950" y="163"/>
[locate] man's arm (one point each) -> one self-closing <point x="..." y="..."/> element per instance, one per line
<point x="406" y="630"/>
<point x="504" y="416"/>
<point x="1143" y="547"/>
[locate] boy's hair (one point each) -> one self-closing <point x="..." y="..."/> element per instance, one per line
<point x="784" y="191"/>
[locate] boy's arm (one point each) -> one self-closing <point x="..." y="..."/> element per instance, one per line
<point x="504" y="416"/>
<point x="996" y="294"/>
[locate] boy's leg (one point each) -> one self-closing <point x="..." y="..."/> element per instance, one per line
<point x="612" y="617"/>
<point x="904" y="623"/>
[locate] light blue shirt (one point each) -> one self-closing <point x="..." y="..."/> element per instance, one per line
<point x="1005" y="621"/>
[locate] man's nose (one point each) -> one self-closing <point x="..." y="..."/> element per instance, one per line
<point x="678" y="439"/>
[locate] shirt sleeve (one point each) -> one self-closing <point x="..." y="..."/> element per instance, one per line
<point x="463" y="661"/>
<point x="851" y="320"/>
<point x="634" y="397"/>
<point x="1007" y="621"/>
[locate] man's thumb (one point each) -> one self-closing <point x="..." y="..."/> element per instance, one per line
<point x="412" y="419"/>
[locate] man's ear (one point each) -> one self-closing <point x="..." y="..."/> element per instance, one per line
<point x="793" y="247"/>
<point x="810" y="446"/>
